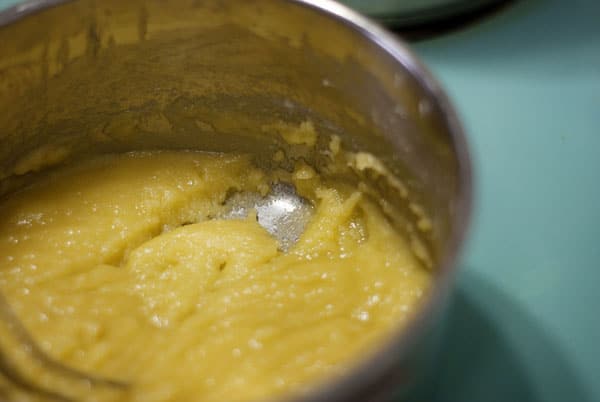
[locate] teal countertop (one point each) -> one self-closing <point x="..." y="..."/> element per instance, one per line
<point x="524" y="324"/>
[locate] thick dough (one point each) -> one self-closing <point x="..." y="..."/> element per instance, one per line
<point x="117" y="268"/>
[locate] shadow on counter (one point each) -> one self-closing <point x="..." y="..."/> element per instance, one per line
<point x="519" y="32"/>
<point x="444" y="26"/>
<point x="481" y="362"/>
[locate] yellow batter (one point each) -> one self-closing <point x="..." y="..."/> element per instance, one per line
<point x="117" y="267"/>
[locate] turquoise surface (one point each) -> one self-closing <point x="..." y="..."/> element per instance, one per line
<point x="524" y="322"/>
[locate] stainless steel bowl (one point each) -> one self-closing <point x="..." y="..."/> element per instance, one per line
<point x="95" y="77"/>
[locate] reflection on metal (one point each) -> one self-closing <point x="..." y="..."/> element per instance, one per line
<point x="283" y="213"/>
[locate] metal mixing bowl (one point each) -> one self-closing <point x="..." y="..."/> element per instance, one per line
<point x="92" y="77"/>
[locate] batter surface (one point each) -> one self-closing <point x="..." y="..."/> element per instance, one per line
<point x="118" y="267"/>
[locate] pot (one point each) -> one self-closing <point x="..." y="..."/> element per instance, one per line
<point x="97" y="77"/>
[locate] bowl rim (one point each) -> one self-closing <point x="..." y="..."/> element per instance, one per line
<point x="366" y="373"/>
<point x="351" y="386"/>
